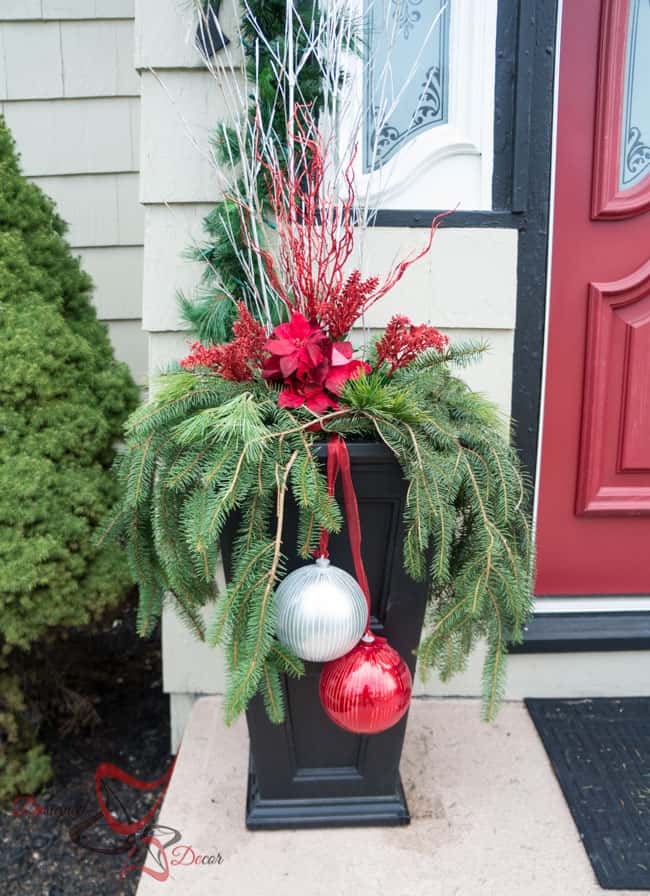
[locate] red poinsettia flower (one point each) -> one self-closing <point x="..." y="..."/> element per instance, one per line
<point x="313" y="369"/>
<point x="311" y="395"/>
<point x="296" y="348"/>
<point x="342" y="367"/>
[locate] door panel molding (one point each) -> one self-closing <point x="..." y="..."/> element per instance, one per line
<point x="615" y="482"/>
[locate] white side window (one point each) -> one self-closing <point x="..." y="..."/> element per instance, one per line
<point x="424" y="84"/>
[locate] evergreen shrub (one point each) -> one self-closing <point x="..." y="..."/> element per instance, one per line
<point x="63" y="401"/>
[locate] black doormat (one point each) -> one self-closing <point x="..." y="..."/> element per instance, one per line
<point x="600" y="752"/>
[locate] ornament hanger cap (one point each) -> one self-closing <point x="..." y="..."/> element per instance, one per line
<point x="323" y="562"/>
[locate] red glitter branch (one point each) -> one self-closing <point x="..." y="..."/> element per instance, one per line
<point x="316" y="231"/>
<point x="315" y="228"/>
<point x="232" y="360"/>
<point x="403" y="341"/>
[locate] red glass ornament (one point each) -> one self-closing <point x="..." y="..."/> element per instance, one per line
<point x="368" y="690"/>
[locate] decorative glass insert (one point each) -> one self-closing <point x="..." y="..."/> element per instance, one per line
<point x="406" y="82"/>
<point x="635" y="150"/>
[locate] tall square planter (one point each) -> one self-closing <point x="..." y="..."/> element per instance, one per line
<point x="308" y="772"/>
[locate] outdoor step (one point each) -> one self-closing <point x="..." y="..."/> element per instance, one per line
<point x="488" y="818"/>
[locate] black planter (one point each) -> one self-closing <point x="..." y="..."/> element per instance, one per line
<point x="308" y="772"/>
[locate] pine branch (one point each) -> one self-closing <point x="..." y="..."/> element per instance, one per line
<point x="272" y="693"/>
<point x="246" y="680"/>
<point x="286" y="661"/>
<point x="112" y="527"/>
<point x="494" y="672"/>
<point x="461" y="354"/>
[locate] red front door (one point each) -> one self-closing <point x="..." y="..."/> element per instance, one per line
<point x="593" y="519"/>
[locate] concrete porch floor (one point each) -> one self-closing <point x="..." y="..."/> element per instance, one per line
<point x="489" y="818"/>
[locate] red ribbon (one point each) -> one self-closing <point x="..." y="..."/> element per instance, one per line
<point x="108" y="771"/>
<point x="338" y="460"/>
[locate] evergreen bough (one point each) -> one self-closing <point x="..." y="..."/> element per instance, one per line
<point x="204" y="448"/>
<point x="63" y="402"/>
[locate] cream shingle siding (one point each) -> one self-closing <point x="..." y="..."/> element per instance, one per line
<point x="165" y="30"/>
<point x="114" y="218"/>
<point x="71" y="95"/>
<point x="66" y="9"/>
<point x="170" y="231"/>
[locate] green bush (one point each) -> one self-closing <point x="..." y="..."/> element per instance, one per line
<point x="63" y="400"/>
<point x="24" y="766"/>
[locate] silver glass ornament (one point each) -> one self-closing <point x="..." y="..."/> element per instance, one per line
<point x="321" y="612"/>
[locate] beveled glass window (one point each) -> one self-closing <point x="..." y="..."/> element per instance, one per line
<point x="423" y="86"/>
<point x="635" y="149"/>
<point x="406" y="79"/>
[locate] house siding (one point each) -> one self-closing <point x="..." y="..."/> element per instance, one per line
<point x="66" y="9"/>
<point x="71" y="96"/>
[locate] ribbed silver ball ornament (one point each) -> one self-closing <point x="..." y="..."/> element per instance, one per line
<point x="321" y="612"/>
